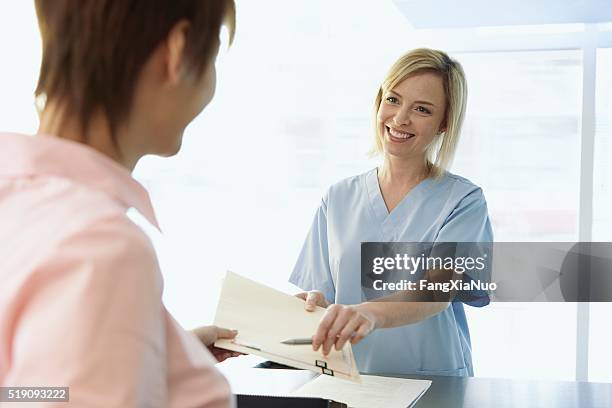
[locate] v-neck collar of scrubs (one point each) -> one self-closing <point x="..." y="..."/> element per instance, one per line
<point x="377" y="202"/>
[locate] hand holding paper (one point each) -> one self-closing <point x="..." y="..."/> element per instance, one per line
<point x="313" y="299"/>
<point x="342" y="324"/>
<point x="264" y="317"/>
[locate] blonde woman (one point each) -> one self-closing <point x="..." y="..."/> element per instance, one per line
<point x="411" y="197"/>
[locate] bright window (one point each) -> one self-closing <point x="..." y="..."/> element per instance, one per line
<point x="523" y="119"/>
<point x="600" y="336"/>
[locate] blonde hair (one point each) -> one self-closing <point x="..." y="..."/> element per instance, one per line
<point x="441" y="151"/>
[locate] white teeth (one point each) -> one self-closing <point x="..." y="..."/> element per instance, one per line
<point x="399" y="134"/>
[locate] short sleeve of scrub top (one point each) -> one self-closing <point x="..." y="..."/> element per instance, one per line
<point x="469" y="223"/>
<point x="315" y="272"/>
<point x="450" y="209"/>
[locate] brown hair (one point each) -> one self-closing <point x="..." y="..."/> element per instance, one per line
<point x="94" y="50"/>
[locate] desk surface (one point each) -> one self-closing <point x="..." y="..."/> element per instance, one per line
<point x="468" y="392"/>
<point x="464" y="392"/>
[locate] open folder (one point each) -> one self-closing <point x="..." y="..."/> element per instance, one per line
<point x="264" y="317"/>
<point x="260" y="387"/>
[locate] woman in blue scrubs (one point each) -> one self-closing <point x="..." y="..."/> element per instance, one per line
<point x="411" y="197"/>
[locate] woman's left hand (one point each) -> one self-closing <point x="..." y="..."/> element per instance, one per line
<point x="342" y="323"/>
<point x="209" y="334"/>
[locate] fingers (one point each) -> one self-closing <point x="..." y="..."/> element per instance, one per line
<point x="312" y="299"/>
<point x="347" y="332"/>
<point x="339" y="325"/>
<point x="343" y="317"/>
<point x="223" y="333"/>
<point x="363" y="330"/>
<point x="324" y="325"/>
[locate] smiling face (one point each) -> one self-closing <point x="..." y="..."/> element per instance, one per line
<point x="410" y="116"/>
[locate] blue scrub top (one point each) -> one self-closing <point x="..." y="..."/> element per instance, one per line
<point x="449" y="209"/>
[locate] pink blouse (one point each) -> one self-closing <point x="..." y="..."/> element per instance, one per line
<point x="80" y="286"/>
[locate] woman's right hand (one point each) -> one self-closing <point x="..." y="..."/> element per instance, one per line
<point x="313" y="298"/>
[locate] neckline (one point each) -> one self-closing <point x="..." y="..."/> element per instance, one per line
<point x="378" y="202"/>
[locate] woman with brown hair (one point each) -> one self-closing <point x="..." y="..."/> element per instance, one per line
<point x="82" y="291"/>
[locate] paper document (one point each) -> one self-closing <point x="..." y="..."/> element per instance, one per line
<point x="374" y="391"/>
<point x="264" y="317"/>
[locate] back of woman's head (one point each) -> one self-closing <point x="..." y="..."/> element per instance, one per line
<point x="94" y="50"/>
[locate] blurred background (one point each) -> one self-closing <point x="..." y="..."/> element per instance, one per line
<point x="292" y="115"/>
